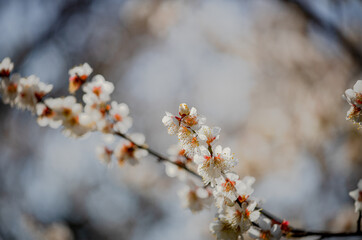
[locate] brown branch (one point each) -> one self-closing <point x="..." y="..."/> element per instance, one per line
<point x="159" y="156"/>
<point x="294" y="232"/>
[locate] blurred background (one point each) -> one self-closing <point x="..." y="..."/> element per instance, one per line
<point x="270" y="73"/>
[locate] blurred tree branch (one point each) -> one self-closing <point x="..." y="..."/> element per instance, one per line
<point x="328" y="28"/>
<point x="65" y="13"/>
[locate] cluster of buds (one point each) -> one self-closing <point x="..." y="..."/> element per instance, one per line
<point x="354" y="98"/>
<point x="237" y="211"/>
<point x="95" y="113"/>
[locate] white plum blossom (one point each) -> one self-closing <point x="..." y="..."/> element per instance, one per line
<point x="69" y="112"/>
<point x="192" y="120"/>
<point x="229" y="188"/>
<point x="31" y="91"/>
<point x="46" y="116"/>
<point x="268" y="230"/>
<point x="97" y="91"/>
<point x="357" y="196"/>
<point x="177" y="155"/>
<point x="224" y="231"/>
<point x="6" y="66"/>
<point x="9" y="89"/>
<point x="209" y="135"/>
<point x="245" y="188"/>
<point x="241" y="217"/>
<point x="211" y="166"/>
<point x="187" y="118"/>
<point x="127" y="151"/>
<point x="354" y="98"/>
<point x="104" y="154"/>
<point x="171" y="122"/>
<point x="194" y="197"/>
<point x="119" y="114"/>
<point x="188" y="141"/>
<point x="78" y="76"/>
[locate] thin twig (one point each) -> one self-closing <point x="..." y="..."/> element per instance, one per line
<point x="159" y="156"/>
<point x="294" y="232"/>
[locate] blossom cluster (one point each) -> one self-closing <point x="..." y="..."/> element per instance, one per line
<point x="354" y="98"/>
<point x="96" y="113"/>
<point x="197" y="149"/>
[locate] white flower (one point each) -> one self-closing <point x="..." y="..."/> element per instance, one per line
<point x="224" y="231"/>
<point x="188" y="141"/>
<point x="209" y="135"/>
<point x="97" y="91"/>
<point x="104" y="154"/>
<point x="268" y="231"/>
<point x="9" y="89"/>
<point x="194" y="197"/>
<point x="187" y="118"/>
<point x="78" y="76"/>
<point x="241" y="217"/>
<point x="171" y="122"/>
<point x="70" y="113"/>
<point x="229" y="187"/>
<point x="245" y="189"/>
<point x="193" y="120"/>
<point x="46" y="116"/>
<point x="128" y="151"/>
<point x="354" y="96"/>
<point x="119" y="114"/>
<point x="357" y="196"/>
<point x="248" y="215"/>
<point x="6" y="66"/>
<point x="30" y="92"/>
<point x="210" y="166"/>
<point x="177" y="155"/>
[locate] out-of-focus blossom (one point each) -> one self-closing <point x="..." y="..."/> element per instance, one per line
<point x="354" y="98"/>
<point x="69" y="112"/>
<point x="46" y="116"/>
<point x="268" y="230"/>
<point x="78" y="76"/>
<point x="225" y="231"/>
<point x="6" y="66"/>
<point x="127" y="151"/>
<point x="119" y="114"/>
<point x="194" y="197"/>
<point x="357" y="196"/>
<point x="104" y="154"/>
<point x="177" y="154"/>
<point x="31" y="91"/>
<point x="97" y="91"/>
<point x="9" y="89"/>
